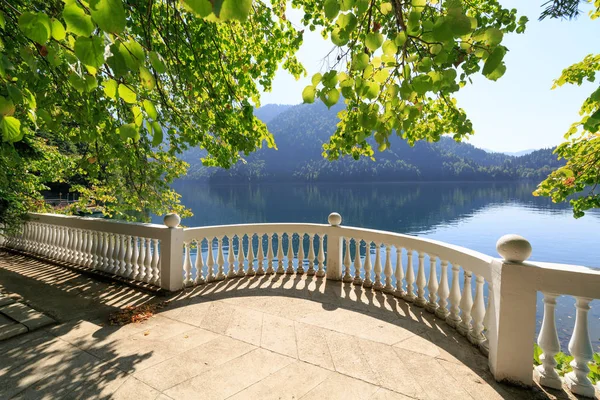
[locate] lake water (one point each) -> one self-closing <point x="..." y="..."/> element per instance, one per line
<point x="472" y="215"/>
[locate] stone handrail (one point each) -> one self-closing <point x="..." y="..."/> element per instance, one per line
<point x="447" y="280"/>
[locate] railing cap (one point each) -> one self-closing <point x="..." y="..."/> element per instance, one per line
<point x="513" y="248"/>
<point x="334" y="219"/>
<point x="172" y="220"/>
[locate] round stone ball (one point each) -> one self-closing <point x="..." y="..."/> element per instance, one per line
<point x="513" y="248"/>
<point x="172" y="220"/>
<point x="334" y="219"/>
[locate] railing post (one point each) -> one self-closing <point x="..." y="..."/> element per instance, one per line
<point x="334" y="250"/>
<point x="171" y="257"/>
<point x="512" y="321"/>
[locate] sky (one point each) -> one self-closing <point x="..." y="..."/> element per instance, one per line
<point x="517" y="112"/>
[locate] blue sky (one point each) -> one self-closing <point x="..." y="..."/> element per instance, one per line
<point x="515" y="113"/>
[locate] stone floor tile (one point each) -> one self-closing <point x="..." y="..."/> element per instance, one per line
<point x="246" y="325"/>
<point x="278" y="335"/>
<point x="384" y="394"/>
<point x="11" y="330"/>
<point x="227" y="379"/>
<point x="162" y="328"/>
<point x="192" y="314"/>
<point x="194" y="362"/>
<point x="478" y="385"/>
<point x="431" y="376"/>
<point x="391" y="372"/>
<point x="291" y="382"/>
<point x="5" y="321"/>
<point x="217" y="318"/>
<point x="29" y="317"/>
<point x="348" y="358"/>
<point x="133" y="388"/>
<point x="341" y="387"/>
<point x="5" y="300"/>
<point x="420" y="344"/>
<point x="389" y="332"/>
<point x="311" y="342"/>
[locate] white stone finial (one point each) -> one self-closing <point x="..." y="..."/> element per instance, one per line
<point x="513" y="248"/>
<point x="172" y="220"/>
<point x="334" y="219"/>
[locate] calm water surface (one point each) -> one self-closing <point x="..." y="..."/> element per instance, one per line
<point x="472" y="215"/>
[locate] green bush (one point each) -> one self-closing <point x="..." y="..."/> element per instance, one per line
<point x="563" y="363"/>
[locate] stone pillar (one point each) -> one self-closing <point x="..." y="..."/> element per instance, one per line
<point x="334" y="249"/>
<point x="171" y="257"/>
<point x="512" y="319"/>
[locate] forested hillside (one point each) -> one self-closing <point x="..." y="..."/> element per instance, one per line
<point x="301" y="130"/>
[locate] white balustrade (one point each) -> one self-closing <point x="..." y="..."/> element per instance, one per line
<point x="172" y="257"/>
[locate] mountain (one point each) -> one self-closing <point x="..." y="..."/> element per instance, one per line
<point x="512" y="153"/>
<point x="301" y="130"/>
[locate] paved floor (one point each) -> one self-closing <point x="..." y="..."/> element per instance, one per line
<point x="256" y="338"/>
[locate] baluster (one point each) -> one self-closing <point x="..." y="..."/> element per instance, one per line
<point x="261" y="256"/>
<point x="485" y="345"/>
<point x="122" y="250"/>
<point x="92" y="249"/>
<point x="137" y="270"/>
<point x="270" y="269"/>
<point x="377" y="284"/>
<point x="421" y="282"/>
<point x="389" y="288"/>
<point x="240" y="256"/>
<point x="357" y="263"/>
<point x="70" y="242"/>
<point x="581" y="349"/>
<point x="153" y="274"/>
<point x="187" y="265"/>
<point x="290" y="254"/>
<point x="367" y="283"/>
<point x="410" y="277"/>
<point x="321" y="258"/>
<point x="147" y="266"/>
<point x="56" y="249"/>
<point x="280" y="269"/>
<point x="82" y="247"/>
<point x="300" y="269"/>
<point x="210" y="262"/>
<point x="220" y="260"/>
<point x="431" y="305"/>
<point x="399" y="292"/>
<point x="478" y="313"/>
<point x="86" y="248"/>
<point x="199" y="263"/>
<point x="548" y="341"/>
<point x="347" y="262"/>
<point x="74" y="259"/>
<point x="128" y="254"/>
<point x="443" y="292"/>
<point x="115" y="254"/>
<point x="44" y="240"/>
<point x="311" y="255"/>
<point x="102" y="248"/>
<point x="251" y="270"/>
<point x="466" y="303"/>
<point x="65" y="244"/>
<point x="453" y="319"/>
<point x="231" y="273"/>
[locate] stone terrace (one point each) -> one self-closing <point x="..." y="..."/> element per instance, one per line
<point x="277" y="337"/>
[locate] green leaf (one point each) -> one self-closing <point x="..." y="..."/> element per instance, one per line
<point x="316" y="78"/>
<point x="78" y="22"/>
<point x="340" y="37"/>
<point x="372" y="90"/>
<point x="422" y="84"/>
<point x="36" y="26"/>
<point x="400" y="39"/>
<point x="58" y="30"/>
<point x="129" y="131"/>
<point x="109" y="15"/>
<point x="308" y="94"/>
<point x="133" y="54"/>
<point x="117" y="61"/>
<point x="150" y="109"/>
<point x="232" y="9"/>
<point x="147" y="78"/>
<point x="374" y="40"/>
<point x="2" y="20"/>
<point x="360" y="62"/>
<point x="460" y="24"/>
<point x="90" y="51"/>
<point x="347" y="22"/>
<point x="331" y="8"/>
<point x="110" y="88"/>
<point x="77" y="82"/>
<point x="11" y="129"/>
<point x="14" y="93"/>
<point x="7" y="107"/>
<point x="90" y="83"/>
<point x="157" y="133"/>
<point x="493" y="63"/>
<point x="442" y="30"/>
<point x="331" y="97"/>
<point x="389" y="48"/>
<point x="157" y="62"/>
<point x="493" y="36"/>
<point x="127" y="94"/>
<point x="138" y="117"/>
<point x="386" y="8"/>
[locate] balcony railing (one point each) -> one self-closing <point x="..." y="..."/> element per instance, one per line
<point x="490" y="301"/>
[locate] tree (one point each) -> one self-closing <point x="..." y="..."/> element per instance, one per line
<point x="106" y="93"/>
<point x="576" y="182"/>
